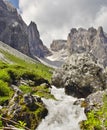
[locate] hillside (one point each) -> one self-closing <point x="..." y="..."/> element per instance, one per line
<point x="23" y="81"/>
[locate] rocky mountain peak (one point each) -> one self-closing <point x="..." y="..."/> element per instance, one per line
<point x="14" y="32"/>
<point x="92" y="31"/>
<point x="100" y="32"/>
<point x="35" y="43"/>
<point x="33" y="28"/>
<point x="92" y="40"/>
<point x="73" y="31"/>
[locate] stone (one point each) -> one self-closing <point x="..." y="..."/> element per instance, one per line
<point x="25" y="108"/>
<point x="81" y="75"/>
<point x="95" y="101"/>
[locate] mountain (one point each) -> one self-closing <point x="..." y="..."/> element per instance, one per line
<point x="23" y="81"/>
<point x="93" y="41"/>
<point x="35" y="43"/>
<point x="14" y="32"/>
<point x="58" y="45"/>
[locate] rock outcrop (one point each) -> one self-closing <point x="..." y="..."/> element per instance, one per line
<point x="14" y="32"/>
<point x="91" y="40"/>
<point x="25" y="108"/>
<point x="58" y="45"/>
<point x="35" y="43"/>
<point x="81" y="75"/>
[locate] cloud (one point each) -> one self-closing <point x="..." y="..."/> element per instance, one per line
<point x="55" y="18"/>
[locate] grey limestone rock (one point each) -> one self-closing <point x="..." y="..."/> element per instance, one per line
<point x="35" y="43"/>
<point x="92" y="40"/>
<point x="58" y="45"/>
<point x="81" y="75"/>
<point x="15" y="32"/>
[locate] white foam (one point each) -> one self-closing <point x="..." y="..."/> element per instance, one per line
<point x="63" y="115"/>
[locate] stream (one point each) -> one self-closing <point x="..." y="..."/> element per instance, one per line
<point x="63" y="115"/>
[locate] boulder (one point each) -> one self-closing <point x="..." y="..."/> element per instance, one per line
<point x="81" y="75"/>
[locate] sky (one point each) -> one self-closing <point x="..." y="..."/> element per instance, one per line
<point x="55" y="18"/>
<point x="15" y="3"/>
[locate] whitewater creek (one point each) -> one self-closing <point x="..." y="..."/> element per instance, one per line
<point x="63" y="115"/>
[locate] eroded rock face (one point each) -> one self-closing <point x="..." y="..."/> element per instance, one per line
<point x="58" y="45"/>
<point x="81" y="75"/>
<point x="14" y="32"/>
<point x="92" y="40"/>
<point x="35" y="43"/>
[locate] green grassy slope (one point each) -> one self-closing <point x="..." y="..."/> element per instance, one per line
<point x="25" y="73"/>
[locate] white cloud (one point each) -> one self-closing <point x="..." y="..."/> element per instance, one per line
<point x="55" y="18"/>
<point x="101" y="18"/>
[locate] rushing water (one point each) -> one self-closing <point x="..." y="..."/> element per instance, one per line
<point x="63" y="115"/>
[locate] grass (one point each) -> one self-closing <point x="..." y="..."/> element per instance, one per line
<point x="38" y="68"/>
<point x="20" y="69"/>
<point x="28" y="76"/>
<point x="43" y="91"/>
<point x="25" y="88"/>
<point x="96" y="119"/>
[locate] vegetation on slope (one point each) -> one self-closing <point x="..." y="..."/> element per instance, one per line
<point x="29" y="77"/>
<point x="96" y="119"/>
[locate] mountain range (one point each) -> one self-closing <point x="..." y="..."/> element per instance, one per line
<point x="26" y="39"/>
<point x="91" y="40"/>
<point x="14" y="32"/>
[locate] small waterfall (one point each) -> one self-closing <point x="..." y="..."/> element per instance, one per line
<point x="63" y="115"/>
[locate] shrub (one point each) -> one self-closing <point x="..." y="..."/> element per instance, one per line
<point x="4" y="89"/>
<point x="4" y="75"/>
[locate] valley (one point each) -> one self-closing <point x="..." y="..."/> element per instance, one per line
<point x="63" y="87"/>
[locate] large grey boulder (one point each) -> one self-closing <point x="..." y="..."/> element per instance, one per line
<point x="81" y="75"/>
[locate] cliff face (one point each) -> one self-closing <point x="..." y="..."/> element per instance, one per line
<point x="14" y="32"/>
<point x="91" y="40"/>
<point x="58" y="45"/>
<point x="35" y="43"/>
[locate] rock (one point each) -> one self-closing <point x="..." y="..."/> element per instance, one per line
<point x="24" y="108"/>
<point x="58" y="45"/>
<point x="29" y="100"/>
<point x="35" y="43"/>
<point x="81" y="75"/>
<point x="95" y="100"/>
<point x="92" y="41"/>
<point x="14" y="32"/>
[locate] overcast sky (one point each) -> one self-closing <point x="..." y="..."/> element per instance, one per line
<point x="55" y="18"/>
